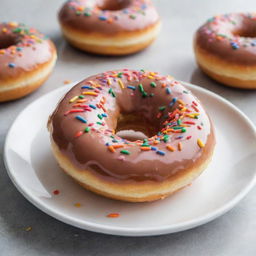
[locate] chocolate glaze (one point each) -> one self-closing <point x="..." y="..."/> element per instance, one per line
<point x="22" y="49"/>
<point x="231" y="37"/>
<point x="89" y="151"/>
<point x="135" y="16"/>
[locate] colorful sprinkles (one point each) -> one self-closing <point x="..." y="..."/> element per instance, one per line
<point x="219" y="29"/>
<point x="179" y="118"/>
<point x="25" y="37"/>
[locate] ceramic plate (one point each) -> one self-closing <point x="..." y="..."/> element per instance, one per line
<point x="231" y="174"/>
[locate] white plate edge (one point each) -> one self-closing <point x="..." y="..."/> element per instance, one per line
<point x="124" y="231"/>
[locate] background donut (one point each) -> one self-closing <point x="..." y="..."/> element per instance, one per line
<point x="225" y="49"/>
<point x="27" y="58"/>
<point x="109" y="27"/>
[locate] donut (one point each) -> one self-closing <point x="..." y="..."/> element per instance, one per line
<point x="109" y="27"/>
<point x="225" y="49"/>
<point x="85" y="127"/>
<point x="27" y="58"/>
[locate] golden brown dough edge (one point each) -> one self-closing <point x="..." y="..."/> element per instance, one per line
<point x="233" y="75"/>
<point x="132" y="191"/>
<point x="32" y="82"/>
<point x="78" y="39"/>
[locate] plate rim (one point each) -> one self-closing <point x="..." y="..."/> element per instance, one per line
<point x="127" y="231"/>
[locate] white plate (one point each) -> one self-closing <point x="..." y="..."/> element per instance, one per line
<point x="231" y="174"/>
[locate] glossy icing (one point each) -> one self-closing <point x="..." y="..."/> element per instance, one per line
<point x="231" y="37"/>
<point x="92" y="16"/>
<point x="83" y="126"/>
<point x="22" y="49"/>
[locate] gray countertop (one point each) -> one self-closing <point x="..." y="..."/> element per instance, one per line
<point x="232" y="234"/>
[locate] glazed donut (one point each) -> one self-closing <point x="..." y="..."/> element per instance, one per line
<point x="26" y="60"/>
<point x="109" y="27"/>
<point x="225" y="49"/>
<point x="85" y="125"/>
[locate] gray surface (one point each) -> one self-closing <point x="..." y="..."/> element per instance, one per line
<point x="232" y="234"/>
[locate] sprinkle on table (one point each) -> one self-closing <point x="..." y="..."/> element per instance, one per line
<point x="180" y="146"/>
<point x="176" y="120"/>
<point x="27" y="229"/>
<point x="113" y="215"/>
<point x="56" y="192"/>
<point x="66" y="81"/>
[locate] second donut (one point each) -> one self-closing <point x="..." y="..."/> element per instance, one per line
<point x="109" y="27"/>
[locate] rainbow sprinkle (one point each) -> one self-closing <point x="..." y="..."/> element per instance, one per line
<point x="80" y="118"/>
<point x="200" y="143"/>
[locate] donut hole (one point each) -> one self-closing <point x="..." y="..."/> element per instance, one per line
<point x="246" y="33"/>
<point x="7" y="41"/>
<point x="248" y="29"/>
<point x="134" y="127"/>
<point x="110" y="5"/>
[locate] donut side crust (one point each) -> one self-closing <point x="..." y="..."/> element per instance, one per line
<point x="26" y="82"/>
<point x="131" y="191"/>
<point x="231" y="74"/>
